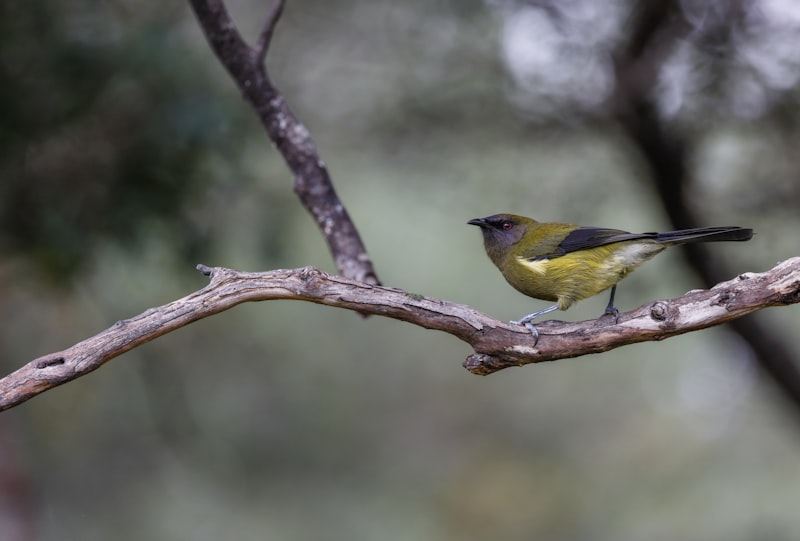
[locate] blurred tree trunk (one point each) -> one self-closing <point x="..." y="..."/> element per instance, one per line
<point x="654" y="31"/>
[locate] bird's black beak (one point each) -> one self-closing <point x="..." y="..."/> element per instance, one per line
<point x="480" y="222"/>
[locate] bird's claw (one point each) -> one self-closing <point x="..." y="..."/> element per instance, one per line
<point x="534" y="331"/>
<point x="530" y="326"/>
<point x="612" y="311"/>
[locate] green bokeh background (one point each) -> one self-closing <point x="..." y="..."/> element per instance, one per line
<point x="128" y="157"/>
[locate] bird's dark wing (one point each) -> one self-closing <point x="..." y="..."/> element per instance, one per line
<point x="585" y="238"/>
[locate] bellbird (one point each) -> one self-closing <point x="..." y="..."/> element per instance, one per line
<point x="565" y="263"/>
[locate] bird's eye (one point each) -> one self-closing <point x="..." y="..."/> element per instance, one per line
<point x="506" y="226"/>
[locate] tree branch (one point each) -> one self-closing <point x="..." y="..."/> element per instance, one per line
<point x="497" y="344"/>
<point x="312" y="183"/>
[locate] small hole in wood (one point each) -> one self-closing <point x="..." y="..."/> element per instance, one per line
<point x="46" y="363"/>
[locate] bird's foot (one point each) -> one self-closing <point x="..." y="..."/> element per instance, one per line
<point x="530" y="317"/>
<point x="612" y="311"/>
<point x="526" y="321"/>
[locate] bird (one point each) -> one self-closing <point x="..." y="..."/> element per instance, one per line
<point x="565" y="263"/>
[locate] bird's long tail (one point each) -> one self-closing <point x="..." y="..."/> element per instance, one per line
<point x="705" y="234"/>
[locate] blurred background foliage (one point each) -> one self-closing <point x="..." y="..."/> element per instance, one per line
<point x="127" y="157"/>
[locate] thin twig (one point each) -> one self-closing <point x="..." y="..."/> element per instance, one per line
<point x="497" y="345"/>
<point x="265" y="37"/>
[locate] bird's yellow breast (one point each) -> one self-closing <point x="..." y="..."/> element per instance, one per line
<point x="580" y="274"/>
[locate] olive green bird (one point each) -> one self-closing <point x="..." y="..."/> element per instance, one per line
<point x="565" y="263"/>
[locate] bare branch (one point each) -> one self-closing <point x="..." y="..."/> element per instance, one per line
<point x="265" y="37"/>
<point x="497" y="344"/>
<point x="312" y="183"/>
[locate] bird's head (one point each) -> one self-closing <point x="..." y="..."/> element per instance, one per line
<point x="501" y="232"/>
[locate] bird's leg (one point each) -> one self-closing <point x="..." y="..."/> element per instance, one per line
<point x="611" y="309"/>
<point x="530" y="317"/>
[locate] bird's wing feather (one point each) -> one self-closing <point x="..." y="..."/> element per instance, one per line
<point x="584" y="238"/>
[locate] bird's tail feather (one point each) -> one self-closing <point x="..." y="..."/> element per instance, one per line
<point x="705" y="234"/>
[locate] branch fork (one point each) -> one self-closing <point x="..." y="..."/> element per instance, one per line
<point x="312" y="182"/>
